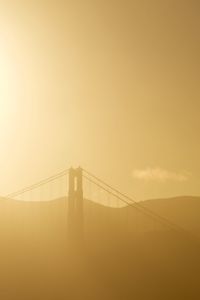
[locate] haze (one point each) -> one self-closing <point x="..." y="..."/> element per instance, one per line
<point x="109" y="85"/>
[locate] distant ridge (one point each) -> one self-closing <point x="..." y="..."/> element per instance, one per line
<point x="183" y="211"/>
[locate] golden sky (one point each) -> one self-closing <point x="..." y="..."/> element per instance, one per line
<point x="110" y="85"/>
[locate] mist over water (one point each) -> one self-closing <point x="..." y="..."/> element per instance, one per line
<point x="76" y="248"/>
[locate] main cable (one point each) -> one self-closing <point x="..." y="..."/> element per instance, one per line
<point x="36" y="185"/>
<point x="139" y="205"/>
<point x="139" y="208"/>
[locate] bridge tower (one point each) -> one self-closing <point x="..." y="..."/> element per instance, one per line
<point x="75" y="205"/>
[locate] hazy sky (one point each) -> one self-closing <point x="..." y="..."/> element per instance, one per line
<point x="110" y="85"/>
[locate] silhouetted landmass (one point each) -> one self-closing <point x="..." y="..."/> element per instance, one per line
<point x="125" y="255"/>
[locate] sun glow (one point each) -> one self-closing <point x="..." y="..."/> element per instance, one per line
<point x="8" y="79"/>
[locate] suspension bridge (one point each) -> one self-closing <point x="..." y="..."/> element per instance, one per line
<point x="116" y="210"/>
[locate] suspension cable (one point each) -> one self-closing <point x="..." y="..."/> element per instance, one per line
<point x="139" y="205"/>
<point x="139" y="208"/>
<point x="36" y="185"/>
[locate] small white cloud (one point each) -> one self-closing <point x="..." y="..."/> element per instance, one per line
<point x="159" y="174"/>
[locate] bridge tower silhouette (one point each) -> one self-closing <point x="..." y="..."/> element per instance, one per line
<point x="76" y="233"/>
<point x="75" y="205"/>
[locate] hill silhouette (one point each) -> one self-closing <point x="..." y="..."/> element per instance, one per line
<point x="126" y="255"/>
<point x="184" y="211"/>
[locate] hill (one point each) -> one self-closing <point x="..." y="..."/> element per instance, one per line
<point x="184" y="211"/>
